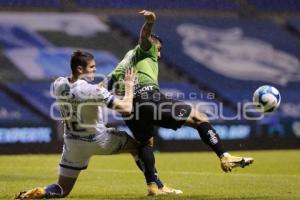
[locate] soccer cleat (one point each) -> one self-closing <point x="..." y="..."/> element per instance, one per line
<point x="36" y="193"/>
<point x="229" y="162"/>
<point x="169" y="191"/>
<point x="152" y="189"/>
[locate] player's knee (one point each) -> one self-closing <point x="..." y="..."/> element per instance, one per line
<point x="202" y="117"/>
<point x="196" y="118"/>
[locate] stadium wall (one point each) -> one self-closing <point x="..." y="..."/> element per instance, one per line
<point x="51" y="48"/>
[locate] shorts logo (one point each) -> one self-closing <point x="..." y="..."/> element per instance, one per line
<point x="182" y="112"/>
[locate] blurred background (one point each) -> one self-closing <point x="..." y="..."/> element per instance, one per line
<point x="216" y="52"/>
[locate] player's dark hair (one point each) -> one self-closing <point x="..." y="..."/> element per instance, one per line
<point x="80" y="58"/>
<point x="157" y="38"/>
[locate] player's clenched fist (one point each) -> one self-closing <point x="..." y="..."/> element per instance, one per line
<point x="149" y="16"/>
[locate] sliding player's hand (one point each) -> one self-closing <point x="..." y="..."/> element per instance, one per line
<point x="149" y="16"/>
<point x="130" y="76"/>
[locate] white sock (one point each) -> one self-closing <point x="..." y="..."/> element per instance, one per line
<point x="226" y="154"/>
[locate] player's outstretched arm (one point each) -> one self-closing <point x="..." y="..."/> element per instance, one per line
<point x="146" y="29"/>
<point x="124" y="106"/>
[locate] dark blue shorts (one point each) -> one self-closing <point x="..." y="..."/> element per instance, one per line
<point x="152" y="108"/>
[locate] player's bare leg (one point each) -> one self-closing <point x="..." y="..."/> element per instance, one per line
<point x="200" y="122"/>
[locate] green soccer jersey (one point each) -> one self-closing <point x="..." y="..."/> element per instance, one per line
<point x="144" y="62"/>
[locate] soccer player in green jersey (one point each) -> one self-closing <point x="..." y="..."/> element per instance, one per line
<point x="152" y="108"/>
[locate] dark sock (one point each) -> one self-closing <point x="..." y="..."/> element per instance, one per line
<point x="140" y="165"/>
<point x="147" y="157"/>
<point x="211" y="138"/>
<point x="53" y="191"/>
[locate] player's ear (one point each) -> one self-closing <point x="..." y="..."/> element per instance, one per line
<point x="152" y="40"/>
<point x="80" y="69"/>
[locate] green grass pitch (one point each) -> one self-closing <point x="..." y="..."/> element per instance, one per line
<point x="274" y="175"/>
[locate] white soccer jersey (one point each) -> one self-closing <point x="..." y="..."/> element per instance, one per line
<point x="80" y="105"/>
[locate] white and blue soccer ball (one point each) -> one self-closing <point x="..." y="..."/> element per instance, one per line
<point x="267" y="98"/>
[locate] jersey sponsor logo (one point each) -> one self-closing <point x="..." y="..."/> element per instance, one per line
<point x="230" y="53"/>
<point x="144" y="89"/>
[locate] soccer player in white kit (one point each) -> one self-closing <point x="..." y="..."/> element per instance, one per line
<point x="85" y="133"/>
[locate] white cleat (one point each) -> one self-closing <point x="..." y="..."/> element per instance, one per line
<point x="169" y="191"/>
<point x="35" y="193"/>
<point x="153" y="190"/>
<point x="229" y="162"/>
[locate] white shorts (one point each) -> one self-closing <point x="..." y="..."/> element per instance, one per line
<point x="77" y="150"/>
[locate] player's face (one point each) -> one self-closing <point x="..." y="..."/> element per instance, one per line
<point x="90" y="70"/>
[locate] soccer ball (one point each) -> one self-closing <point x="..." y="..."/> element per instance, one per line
<point x="267" y="98"/>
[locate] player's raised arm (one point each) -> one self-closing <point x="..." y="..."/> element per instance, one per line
<point x="124" y="106"/>
<point x="146" y="29"/>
